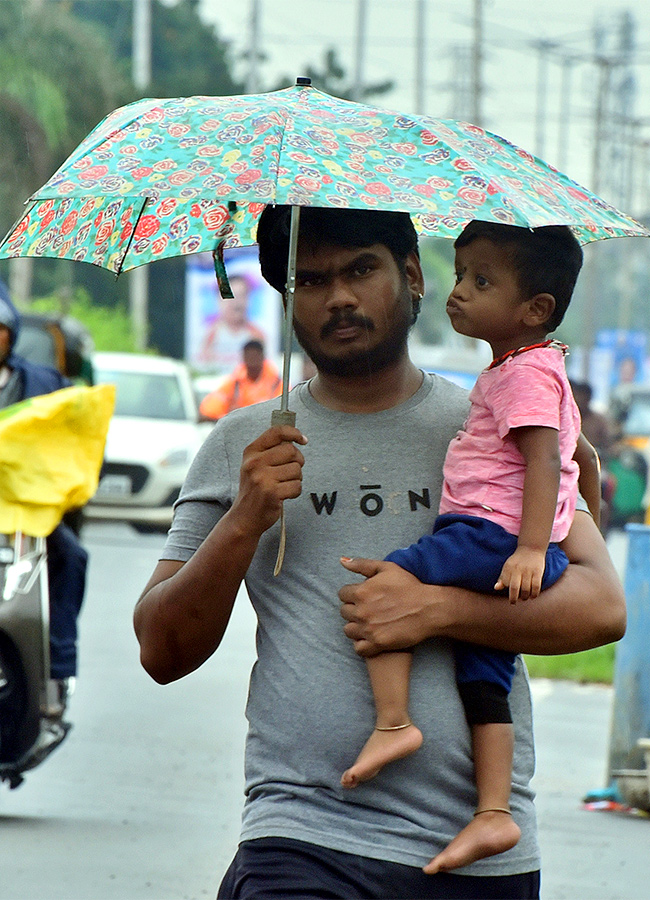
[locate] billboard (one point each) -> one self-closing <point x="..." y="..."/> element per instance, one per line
<point x="216" y="329"/>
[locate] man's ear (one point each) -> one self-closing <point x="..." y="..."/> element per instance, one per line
<point x="540" y="309"/>
<point x="414" y="276"/>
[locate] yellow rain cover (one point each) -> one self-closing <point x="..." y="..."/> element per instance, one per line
<point x="51" y="451"/>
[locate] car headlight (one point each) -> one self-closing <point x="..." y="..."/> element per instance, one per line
<point x="180" y="457"/>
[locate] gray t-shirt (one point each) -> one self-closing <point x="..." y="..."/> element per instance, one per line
<point x="371" y="483"/>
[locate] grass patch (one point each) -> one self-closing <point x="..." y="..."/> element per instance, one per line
<point x="588" y="666"/>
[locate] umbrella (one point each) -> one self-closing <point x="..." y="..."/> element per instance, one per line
<point x="170" y="177"/>
<point x="161" y="178"/>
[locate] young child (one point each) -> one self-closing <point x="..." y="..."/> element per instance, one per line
<point x="509" y="494"/>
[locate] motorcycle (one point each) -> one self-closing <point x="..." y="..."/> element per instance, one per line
<point x="51" y="450"/>
<point x="31" y="724"/>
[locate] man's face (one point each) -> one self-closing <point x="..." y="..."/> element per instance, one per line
<point x="353" y="308"/>
<point x="5" y="343"/>
<point x="254" y="362"/>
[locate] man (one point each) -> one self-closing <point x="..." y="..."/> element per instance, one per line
<point x="67" y="559"/>
<point x="255" y="379"/>
<point x="367" y="481"/>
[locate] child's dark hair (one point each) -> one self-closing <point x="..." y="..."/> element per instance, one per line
<point x="547" y="259"/>
<point x="339" y="227"/>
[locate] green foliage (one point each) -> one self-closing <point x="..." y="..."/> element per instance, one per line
<point x="63" y="67"/>
<point x="110" y="328"/>
<point x="187" y="56"/>
<point x="56" y="83"/>
<point x="38" y="94"/>
<point x="589" y="666"/>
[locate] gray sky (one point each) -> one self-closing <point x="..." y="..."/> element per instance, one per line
<point x="296" y="32"/>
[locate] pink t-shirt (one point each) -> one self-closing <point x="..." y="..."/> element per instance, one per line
<point x="484" y="471"/>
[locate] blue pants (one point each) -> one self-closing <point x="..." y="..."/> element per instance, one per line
<point x="66" y="568"/>
<point x="469" y="552"/>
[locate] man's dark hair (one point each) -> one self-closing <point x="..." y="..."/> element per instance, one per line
<point x="338" y="227"/>
<point x="547" y="259"/>
<point x="253" y="345"/>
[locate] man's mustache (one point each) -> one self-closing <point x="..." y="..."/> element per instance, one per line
<point x="346" y="320"/>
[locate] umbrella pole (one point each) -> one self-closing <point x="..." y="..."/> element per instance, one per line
<point x="284" y="415"/>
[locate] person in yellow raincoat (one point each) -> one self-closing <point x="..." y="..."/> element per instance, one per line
<point x="67" y="559"/>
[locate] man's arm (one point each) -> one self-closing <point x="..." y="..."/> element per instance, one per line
<point x="217" y="403"/>
<point x="585" y="608"/>
<point x="184" y="610"/>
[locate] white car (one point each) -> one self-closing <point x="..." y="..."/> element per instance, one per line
<point x="153" y="437"/>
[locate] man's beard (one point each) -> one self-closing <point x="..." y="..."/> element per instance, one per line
<point x="357" y="363"/>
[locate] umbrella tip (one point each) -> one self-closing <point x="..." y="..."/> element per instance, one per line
<point x="302" y="81"/>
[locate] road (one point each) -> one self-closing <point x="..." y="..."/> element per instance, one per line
<point x="143" y="800"/>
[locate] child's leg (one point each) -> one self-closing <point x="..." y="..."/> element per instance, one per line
<point x="394" y="736"/>
<point x="492" y="830"/>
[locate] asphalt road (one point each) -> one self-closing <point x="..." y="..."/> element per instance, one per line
<point x="143" y="800"/>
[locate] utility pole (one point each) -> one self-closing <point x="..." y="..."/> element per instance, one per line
<point x="420" y="56"/>
<point x="565" y="112"/>
<point x="141" y="48"/>
<point x="359" y="67"/>
<point x="604" y="69"/>
<point x="477" y="65"/>
<point x="253" y="75"/>
<point x="461" y="86"/>
<point x="141" y="73"/>
<point x="543" y="49"/>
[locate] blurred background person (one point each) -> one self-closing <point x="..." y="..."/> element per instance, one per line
<point x="601" y="432"/>
<point x="254" y="379"/>
<point x="596" y="427"/>
<point x="67" y="560"/>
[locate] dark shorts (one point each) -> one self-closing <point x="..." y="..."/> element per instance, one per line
<point x="285" y="868"/>
<point x="469" y="552"/>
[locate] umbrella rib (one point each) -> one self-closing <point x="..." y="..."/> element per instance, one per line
<point x="131" y="237"/>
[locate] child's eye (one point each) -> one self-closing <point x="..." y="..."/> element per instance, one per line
<point x="481" y="281"/>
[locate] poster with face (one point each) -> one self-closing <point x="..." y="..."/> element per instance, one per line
<point x="216" y="328"/>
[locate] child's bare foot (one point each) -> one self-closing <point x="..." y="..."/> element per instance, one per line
<point x="491" y="832"/>
<point x="382" y="747"/>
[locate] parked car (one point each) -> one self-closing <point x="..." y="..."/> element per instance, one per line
<point x="153" y="437"/>
<point x="205" y="384"/>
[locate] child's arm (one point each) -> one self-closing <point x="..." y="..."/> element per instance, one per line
<point x="522" y="572"/>
<point x="589" y="478"/>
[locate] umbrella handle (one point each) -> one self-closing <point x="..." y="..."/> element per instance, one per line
<point x="288" y="305"/>
<point x="282" y="417"/>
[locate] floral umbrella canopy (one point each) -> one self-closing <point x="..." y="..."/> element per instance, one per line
<point x="161" y="178"/>
<point x="170" y="177"/>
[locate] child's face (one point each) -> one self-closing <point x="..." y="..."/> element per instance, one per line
<point x="486" y="301"/>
